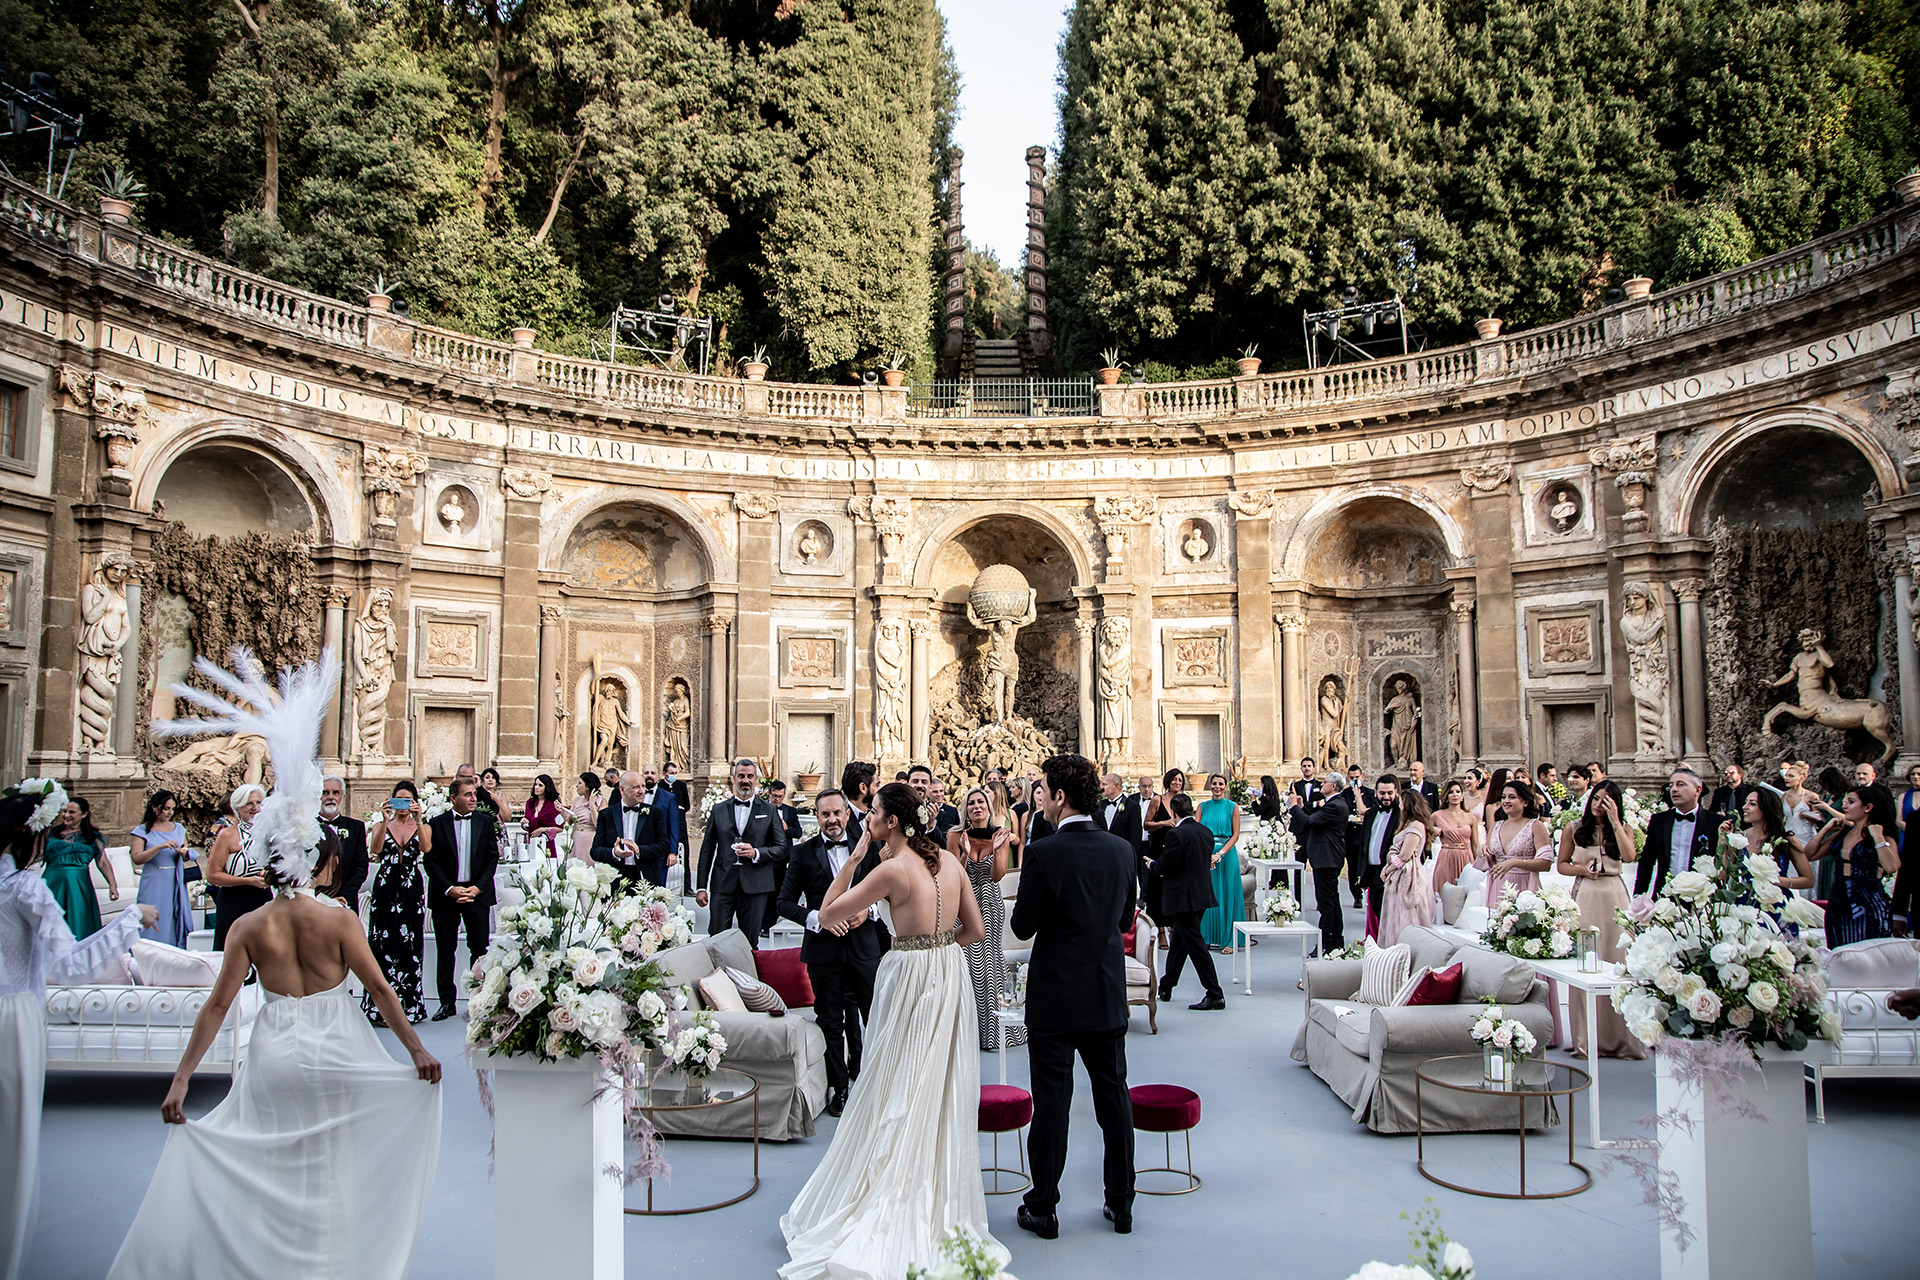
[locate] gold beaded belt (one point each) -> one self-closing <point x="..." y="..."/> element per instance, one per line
<point x="924" y="941"/>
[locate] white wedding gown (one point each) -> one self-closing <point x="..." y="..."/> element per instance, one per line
<point x="317" y="1163"/>
<point x="904" y="1165"/>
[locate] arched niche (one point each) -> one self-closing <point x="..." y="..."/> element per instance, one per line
<point x="227" y="489"/>
<point x="1784" y="473"/>
<point x="628" y="547"/>
<point x="1377" y="542"/>
<point x="1032" y="547"/>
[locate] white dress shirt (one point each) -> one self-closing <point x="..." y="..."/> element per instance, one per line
<point x="838" y="851"/>
<point x="1113" y="810"/>
<point x="1682" y="859"/>
<point x="462" y="848"/>
<point x="1376" y="846"/>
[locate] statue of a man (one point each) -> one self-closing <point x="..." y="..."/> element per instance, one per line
<point x="1333" y="723"/>
<point x="1403" y="725"/>
<point x="611" y="723"/>
<point x="1810" y="672"/>
<point x="375" y="642"/>
<point x="103" y="634"/>
<point x="1003" y="668"/>
<point x="214" y="757"/>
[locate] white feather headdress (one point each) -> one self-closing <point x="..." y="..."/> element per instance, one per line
<point x="288" y="720"/>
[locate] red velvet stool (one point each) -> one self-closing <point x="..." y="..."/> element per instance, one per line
<point x="1006" y="1108"/>
<point x="1167" y="1109"/>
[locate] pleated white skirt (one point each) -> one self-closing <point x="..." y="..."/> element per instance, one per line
<point x="23" y="1073"/>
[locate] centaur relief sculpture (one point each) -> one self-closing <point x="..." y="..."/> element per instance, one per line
<point x="1820" y="702"/>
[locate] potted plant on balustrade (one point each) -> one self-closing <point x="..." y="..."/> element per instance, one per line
<point x="118" y="190"/>
<point x="1249" y="362"/>
<point x="755" y="365"/>
<point x="1733" y="1009"/>
<point x="563" y="1011"/>
<point x="1110" y="366"/>
<point x="380" y="292"/>
<point x="895" y="371"/>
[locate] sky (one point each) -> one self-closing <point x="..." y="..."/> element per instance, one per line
<point x="1008" y="51"/>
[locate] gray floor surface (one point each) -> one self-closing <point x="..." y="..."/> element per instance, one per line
<point x="1293" y="1186"/>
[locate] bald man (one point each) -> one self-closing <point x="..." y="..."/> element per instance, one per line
<point x="634" y="834"/>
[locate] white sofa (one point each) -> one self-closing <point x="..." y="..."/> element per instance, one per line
<point x="1875" y="1041"/>
<point x="121" y="856"/>
<point x="130" y="1028"/>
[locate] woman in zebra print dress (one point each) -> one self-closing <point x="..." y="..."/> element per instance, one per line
<point x="982" y="846"/>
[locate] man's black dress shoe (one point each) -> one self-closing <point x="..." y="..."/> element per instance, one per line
<point x="1210" y="1002"/>
<point x="1166" y="993"/>
<point x="1044" y="1225"/>
<point x="1122" y="1223"/>
<point x="836" y="1103"/>
<point x="444" y="1012"/>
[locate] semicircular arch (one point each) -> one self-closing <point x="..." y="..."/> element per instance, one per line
<point x="1307" y="534"/>
<point x="1071" y="539"/>
<point x="329" y="505"/>
<point x="718" y="563"/>
<point x="1697" y="483"/>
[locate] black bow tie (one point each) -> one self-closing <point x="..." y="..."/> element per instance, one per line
<point x="461" y="817"/>
<point x="838" y="844"/>
<point x="1688" y="816"/>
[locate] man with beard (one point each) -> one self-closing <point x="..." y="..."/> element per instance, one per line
<point x="351" y="871"/>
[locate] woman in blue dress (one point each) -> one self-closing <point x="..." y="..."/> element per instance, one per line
<point x="1906" y="885"/>
<point x="1220" y="815"/>
<point x="159" y="849"/>
<point x="1861" y="841"/>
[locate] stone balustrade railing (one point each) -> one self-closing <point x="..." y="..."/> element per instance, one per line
<point x="1343" y="389"/>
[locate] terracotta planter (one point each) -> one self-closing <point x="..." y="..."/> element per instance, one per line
<point x="523" y="338"/>
<point x="807" y="781"/>
<point x="116" y="210"/>
<point x="1638" y="287"/>
<point x="1109" y="376"/>
<point x="379" y="302"/>
<point x="893" y="377"/>
<point x="1908" y="188"/>
<point x="1248" y="366"/>
<point x="1487" y="328"/>
<point x="756" y="370"/>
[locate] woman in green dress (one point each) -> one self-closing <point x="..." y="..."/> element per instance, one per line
<point x="1221" y="815"/>
<point x="72" y="846"/>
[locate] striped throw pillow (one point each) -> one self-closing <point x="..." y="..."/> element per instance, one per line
<point x="1385" y="972"/>
<point x="757" y="995"/>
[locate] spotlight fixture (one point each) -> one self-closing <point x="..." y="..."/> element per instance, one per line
<point x="1353" y="331"/>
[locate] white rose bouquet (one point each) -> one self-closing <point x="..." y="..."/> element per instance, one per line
<point x="570" y="972"/>
<point x="1706" y="958"/>
<point x="1534" y="924"/>
<point x="963" y="1256"/>
<point x="1268" y="839"/>
<point x="1281" y="908"/>
<point x="1507" y="1035"/>
<point x="698" y="1047"/>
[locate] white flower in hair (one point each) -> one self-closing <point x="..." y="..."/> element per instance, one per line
<point x="53" y="798"/>
<point x="288" y="720"/>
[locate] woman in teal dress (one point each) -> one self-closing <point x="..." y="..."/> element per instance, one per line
<point x="159" y="849"/>
<point x="1221" y="816"/>
<point x="72" y="846"/>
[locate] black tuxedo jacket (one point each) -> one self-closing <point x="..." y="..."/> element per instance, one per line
<point x="352" y="871"/>
<point x="1728" y="801"/>
<point x="1650" y="875"/>
<point x="1307" y="790"/>
<point x="1076" y="895"/>
<point x="723" y="872"/>
<point x="652" y="833"/>
<point x="1377" y="817"/>
<point x="944" y="821"/>
<point x="790" y="819"/>
<point x="1038" y="828"/>
<point x="1186" y="869"/>
<point x="442" y="862"/>
<point x="1431" y="790"/>
<point x="1324" y="838"/>
<point x="1126" y="820"/>
<point x="809" y="876"/>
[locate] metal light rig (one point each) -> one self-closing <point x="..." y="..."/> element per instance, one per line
<point x="664" y="337"/>
<point x="1357" y="330"/>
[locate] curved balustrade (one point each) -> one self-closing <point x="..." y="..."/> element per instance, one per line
<point x="1769" y="282"/>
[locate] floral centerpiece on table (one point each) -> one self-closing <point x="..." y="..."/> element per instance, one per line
<point x="1434" y="1258"/>
<point x="1707" y="961"/>
<point x="963" y="1256"/>
<point x="1281" y="908"/>
<point x="698" y="1048"/>
<point x="1504" y="1041"/>
<point x="1534" y="924"/>
<point x="1267" y="839"/>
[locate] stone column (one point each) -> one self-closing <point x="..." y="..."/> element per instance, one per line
<point x="753" y="645"/>
<point x="129" y="688"/>
<point x="1493" y="520"/>
<point x="552" y="697"/>
<point x="1469" y="692"/>
<point x="1693" y="671"/>
<point x="1253" y="553"/>
<point x="920" y="741"/>
<point x="1292" y="720"/>
<point x="1909" y="667"/>
<point x="333" y="631"/>
<point x="521" y="675"/>
<point x="1083" y="627"/>
<point x="717" y="623"/>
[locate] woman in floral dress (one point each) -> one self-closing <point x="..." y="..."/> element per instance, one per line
<point x="982" y="845"/>
<point x="397" y="903"/>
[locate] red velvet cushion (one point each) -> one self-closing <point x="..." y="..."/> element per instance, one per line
<point x="781" y="969"/>
<point x="1441" y="986"/>
<point x="1164" y="1108"/>
<point x="1004" y="1108"/>
<point x="1130" y="934"/>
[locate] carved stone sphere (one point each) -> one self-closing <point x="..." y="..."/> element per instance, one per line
<point x="999" y="591"/>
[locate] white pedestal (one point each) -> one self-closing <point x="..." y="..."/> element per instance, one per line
<point x="1744" y="1182"/>
<point x="556" y="1212"/>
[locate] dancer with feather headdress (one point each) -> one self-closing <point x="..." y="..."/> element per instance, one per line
<point x="318" y="1162"/>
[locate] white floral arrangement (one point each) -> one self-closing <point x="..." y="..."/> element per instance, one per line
<point x="1707" y="960"/>
<point x="563" y="841"/>
<point x="1509" y="1035"/>
<point x="963" y="1256"/>
<point x="1268" y="839"/>
<point x="1634" y="813"/>
<point x="710" y="800"/>
<point x="1434" y="1258"/>
<point x="570" y="970"/>
<point x="1281" y="907"/>
<point x="698" y="1047"/>
<point x="1534" y="924"/>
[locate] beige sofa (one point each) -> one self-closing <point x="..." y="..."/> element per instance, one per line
<point x="1367" y="1053"/>
<point x="787" y="1055"/>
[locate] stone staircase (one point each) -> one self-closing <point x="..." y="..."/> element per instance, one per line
<point x="998" y="358"/>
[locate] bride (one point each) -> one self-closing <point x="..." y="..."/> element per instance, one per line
<point x="904" y="1165"/>
<point x="319" y="1160"/>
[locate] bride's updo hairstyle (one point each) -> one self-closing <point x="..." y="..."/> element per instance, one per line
<point x="898" y="801"/>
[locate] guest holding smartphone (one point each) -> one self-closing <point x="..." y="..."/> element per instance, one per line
<point x="397" y="903"/>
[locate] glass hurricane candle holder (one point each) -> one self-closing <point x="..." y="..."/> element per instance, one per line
<point x="1586" y="945"/>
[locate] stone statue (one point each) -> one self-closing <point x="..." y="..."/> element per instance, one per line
<point x="103" y="634"/>
<point x="1565" y="511"/>
<point x="890" y="689"/>
<point x="812" y="545"/>
<point x="453" y="512"/>
<point x="676" y="724"/>
<point x="1332" y="742"/>
<point x="1819" y="701"/>
<point x="375" y="642"/>
<point x="1403" y="724"/>
<point x="1196" y="545"/>
<point x="1644" y="626"/>
<point x="1115" y="689"/>
<point x="612" y="727"/>
<point x="1000" y="603"/>
<point x="214" y="758"/>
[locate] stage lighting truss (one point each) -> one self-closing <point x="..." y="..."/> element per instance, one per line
<point x="1357" y="330"/>
<point x="36" y="109"/>
<point x="663" y="337"/>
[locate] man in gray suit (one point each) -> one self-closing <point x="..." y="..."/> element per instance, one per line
<point x="743" y="857"/>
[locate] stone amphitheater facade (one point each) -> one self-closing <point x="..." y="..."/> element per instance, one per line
<point x="578" y="561"/>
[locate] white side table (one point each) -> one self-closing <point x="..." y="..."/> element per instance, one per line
<point x="1247" y="930"/>
<point x="1592" y="986"/>
<point x="1008" y="1019"/>
<point x="1265" y="867"/>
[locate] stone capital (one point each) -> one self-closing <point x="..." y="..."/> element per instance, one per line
<point x="1688" y="590"/>
<point x="716" y="623"/>
<point x="1129" y="508"/>
<point x="1488" y="477"/>
<point x="1292" y="624"/>
<point x="392" y="470"/>
<point x="338" y="597"/>
<point x="550" y="615"/>
<point x="526" y="482"/>
<point x="1085" y="627"/>
<point x="1251" y="504"/>
<point x="111" y="400"/>
<point x="923" y="628"/>
<point x="1636" y="453"/>
<point x="1462" y="610"/>
<point x="756" y="506"/>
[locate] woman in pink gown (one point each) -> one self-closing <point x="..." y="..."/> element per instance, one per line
<point x="585" y="814"/>
<point x="1459" y="832"/>
<point x="1408" y="875"/>
<point x="1514" y="840"/>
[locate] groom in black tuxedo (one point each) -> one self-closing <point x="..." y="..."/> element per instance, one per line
<point x="460" y="868"/>
<point x="1186" y="870"/>
<point x="841" y="961"/>
<point x="743" y="857"/>
<point x="1076" y="898"/>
